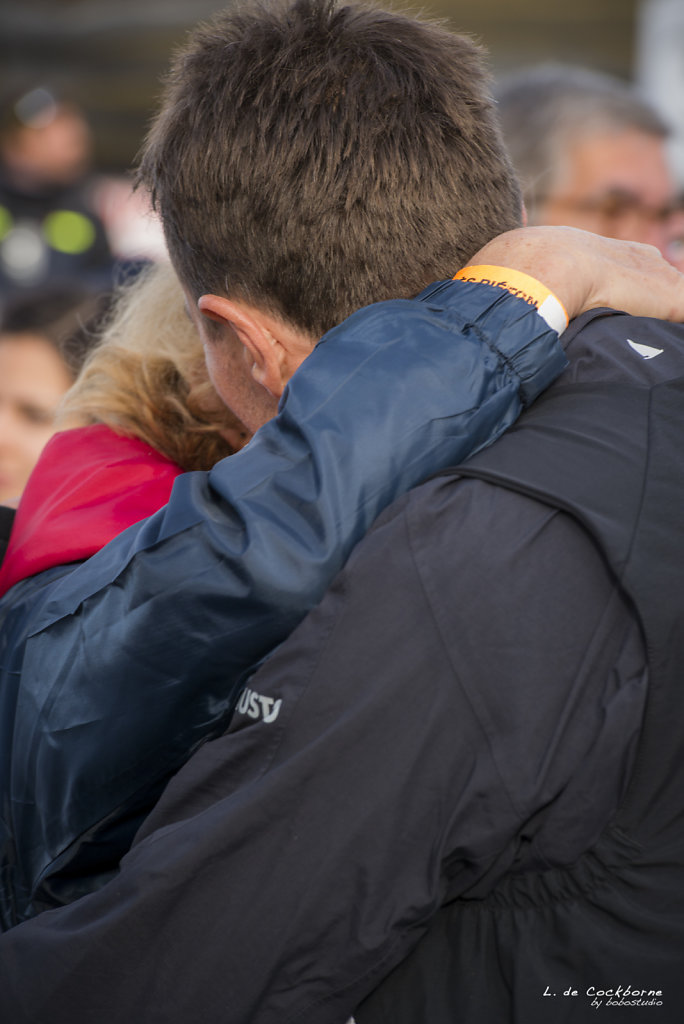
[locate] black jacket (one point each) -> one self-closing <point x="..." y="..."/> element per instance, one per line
<point x="599" y="926"/>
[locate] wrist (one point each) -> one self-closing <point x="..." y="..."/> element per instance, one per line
<point x="522" y="285"/>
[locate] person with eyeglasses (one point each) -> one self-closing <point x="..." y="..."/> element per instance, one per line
<point x="590" y="152"/>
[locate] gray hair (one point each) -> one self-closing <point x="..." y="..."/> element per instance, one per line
<point x="544" y="109"/>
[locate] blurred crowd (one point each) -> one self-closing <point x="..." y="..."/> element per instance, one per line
<point x="589" y="150"/>
<point x="69" y="237"/>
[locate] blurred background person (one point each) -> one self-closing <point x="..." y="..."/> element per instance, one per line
<point x="44" y="337"/>
<point x="50" y="231"/>
<point x="590" y="153"/>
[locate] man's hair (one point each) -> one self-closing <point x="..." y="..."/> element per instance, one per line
<point x="545" y="109"/>
<point x="310" y="158"/>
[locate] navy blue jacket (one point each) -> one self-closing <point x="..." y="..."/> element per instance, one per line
<point x="113" y="672"/>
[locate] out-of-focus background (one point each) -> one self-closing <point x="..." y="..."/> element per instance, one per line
<point x="109" y="54"/>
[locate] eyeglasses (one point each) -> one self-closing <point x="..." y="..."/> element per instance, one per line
<point x="619" y="205"/>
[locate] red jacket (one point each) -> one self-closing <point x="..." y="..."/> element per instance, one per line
<point x="88" y="486"/>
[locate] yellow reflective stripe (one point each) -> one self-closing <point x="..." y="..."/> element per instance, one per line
<point x="6" y="222"/>
<point x="68" y="231"/>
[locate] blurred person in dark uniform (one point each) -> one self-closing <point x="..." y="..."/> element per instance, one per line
<point x="49" y="228"/>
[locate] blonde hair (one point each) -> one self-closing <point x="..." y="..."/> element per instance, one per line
<point x="146" y="377"/>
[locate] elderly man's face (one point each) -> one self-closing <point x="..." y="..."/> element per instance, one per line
<point x="618" y="185"/>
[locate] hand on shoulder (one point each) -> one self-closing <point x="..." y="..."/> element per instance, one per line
<point x="586" y="271"/>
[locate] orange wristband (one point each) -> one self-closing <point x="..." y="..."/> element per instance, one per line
<point x="525" y="287"/>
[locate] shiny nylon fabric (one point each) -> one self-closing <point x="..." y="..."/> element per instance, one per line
<point x="113" y="672"/>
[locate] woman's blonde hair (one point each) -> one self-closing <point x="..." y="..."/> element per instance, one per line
<point x="146" y="377"/>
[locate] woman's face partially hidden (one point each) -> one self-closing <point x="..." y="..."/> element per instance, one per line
<point x="33" y="379"/>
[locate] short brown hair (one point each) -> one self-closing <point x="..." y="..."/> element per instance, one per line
<point x="311" y="158"/>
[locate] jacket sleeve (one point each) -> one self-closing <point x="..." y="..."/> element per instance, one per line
<point x="128" y="662"/>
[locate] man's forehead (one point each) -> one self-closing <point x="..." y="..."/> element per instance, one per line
<point x="630" y="161"/>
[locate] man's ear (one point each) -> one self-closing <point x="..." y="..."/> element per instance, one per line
<point x="266" y="354"/>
